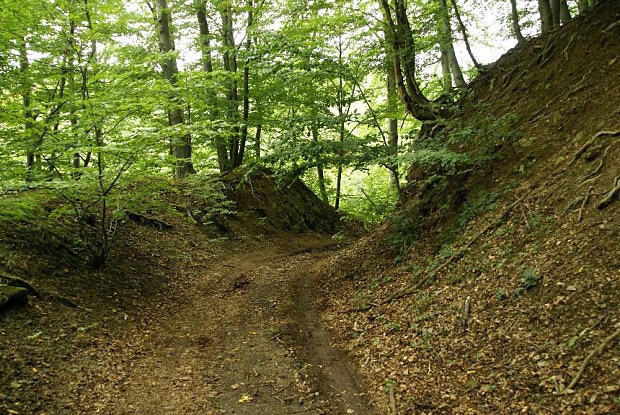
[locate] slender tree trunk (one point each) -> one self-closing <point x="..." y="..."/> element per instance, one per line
<point x="181" y="143"/>
<point x="546" y="18"/>
<point x="463" y="30"/>
<point x="24" y="66"/>
<point x="90" y="61"/>
<point x="205" y="36"/>
<point x="392" y="108"/>
<point x="341" y="122"/>
<point x="446" y="74"/>
<point x="207" y="66"/>
<point x="319" y="167"/>
<point x="515" y="21"/>
<point x="555" y="12"/>
<point x="564" y="12"/>
<point x="246" y="87"/>
<point x="257" y="140"/>
<point x="448" y="46"/>
<point x="229" y="57"/>
<point x="583" y="5"/>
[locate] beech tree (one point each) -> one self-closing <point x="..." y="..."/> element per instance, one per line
<point x="180" y="143"/>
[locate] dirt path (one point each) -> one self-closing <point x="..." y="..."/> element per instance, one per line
<point x="241" y="337"/>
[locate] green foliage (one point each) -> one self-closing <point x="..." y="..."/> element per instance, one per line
<point x="501" y="294"/>
<point x="460" y="144"/>
<point x="372" y="200"/>
<point x="392" y="326"/>
<point x="207" y="196"/>
<point x="474" y="206"/>
<point x="403" y="235"/>
<point x="529" y="280"/>
<point x="22" y="207"/>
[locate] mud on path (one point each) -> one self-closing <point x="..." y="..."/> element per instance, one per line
<point x="240" y="335"/>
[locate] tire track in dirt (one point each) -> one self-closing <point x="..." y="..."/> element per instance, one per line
<point x="243" y="337"/>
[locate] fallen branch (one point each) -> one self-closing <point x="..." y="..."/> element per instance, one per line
<point x="19" y="282"/>
<point x="410" y="290"/>
<point x="145" y="220"/>
<point x="611" y="195"/>
<point x="591" y="141"/>
<point x="601" y="347"/>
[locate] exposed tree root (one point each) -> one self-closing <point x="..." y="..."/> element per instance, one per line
<point x="591" y="141"/>
<point x="431" y="275"/>
<point x="613" y="193"/>
<point x="570" y="42"/>
<point x="599" y="349"/>
<point x="594" y="172"/>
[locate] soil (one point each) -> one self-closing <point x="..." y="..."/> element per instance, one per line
<point x="482" y="296"/>
<point x="225" y="332"/>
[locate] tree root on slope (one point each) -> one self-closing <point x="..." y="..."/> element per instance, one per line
<point x="591" y="141"/>
<point x="613" y="193"/>
<point x="599" y="349"/>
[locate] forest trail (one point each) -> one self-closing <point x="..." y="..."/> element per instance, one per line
<point x="242" y="336"/>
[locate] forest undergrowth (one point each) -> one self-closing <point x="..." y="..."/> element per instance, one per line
<point x="492" y="288"/>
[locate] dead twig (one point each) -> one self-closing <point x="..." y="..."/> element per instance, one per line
<point x="465" y="313"/>
<point x="527" y="222"/>
<point x="282" y="388"/>
<point x="393" y="402"/>
<point x="599" y="349"/>
<point x="148" y="221"/>
<point x="611" y="195"/>
<point x="583" y="204"/>
<point x="568" y="45"/>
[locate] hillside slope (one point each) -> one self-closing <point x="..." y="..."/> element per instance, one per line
<point x="486" y="294"/>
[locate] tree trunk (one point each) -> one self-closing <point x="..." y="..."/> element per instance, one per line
<point x="219" y="142"/>
<point x="546" y="18"/>
<point x="392" y="108"/>
<point x="583" y="5"/>
<point x="205" y="36"/>
<point x="181" y="143"/>
<point x="448" y="45"/>
<point x="24" y="66"/>
<point x="319" y="166"/>
<point x="555" y="12"/>
<point x="463" y="30"/>
<point x="229" y="57"/>
<point x="446" y="74"/>
<point x="246" y="88"/>
<point x="400" y="36"/>
<point x="341" y="117"/>
<point x="515" y="21"/>
<point x="257" y="139"/>
<point x="564" y="12"/>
